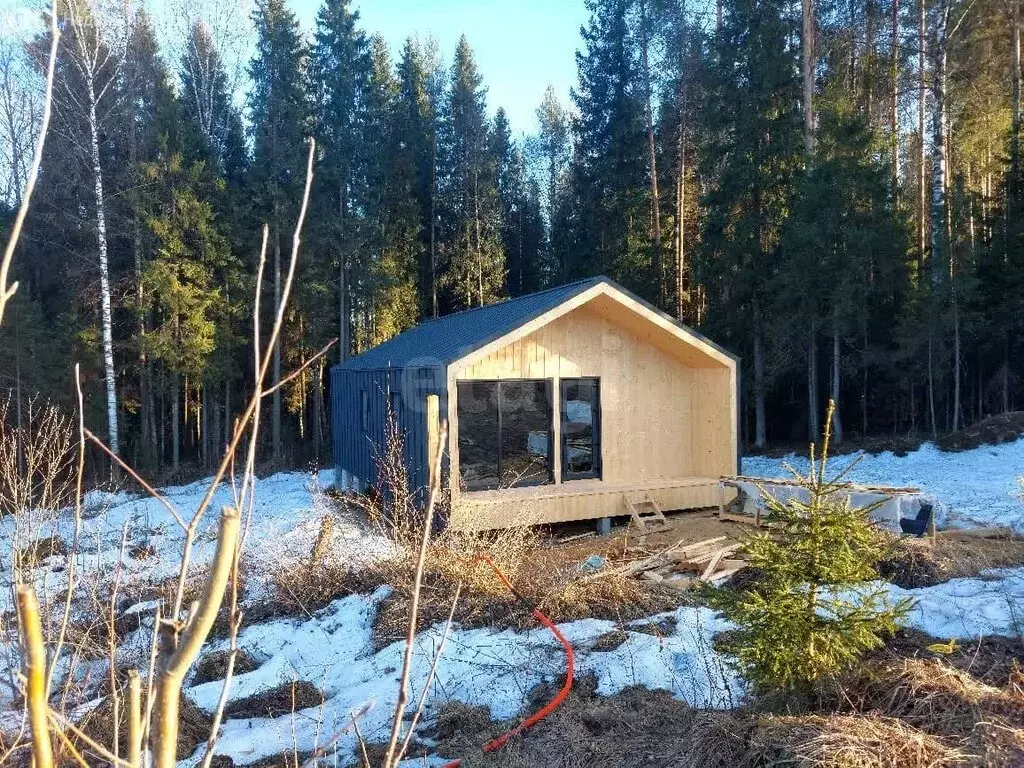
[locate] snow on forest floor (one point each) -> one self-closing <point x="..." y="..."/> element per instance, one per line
<point x="499" y="669"/>
<point x="334" y="650"/>
<point x="287" y="511"/>
<point x="978" y="487"/>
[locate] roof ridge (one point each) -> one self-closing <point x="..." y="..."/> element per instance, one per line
<point x="562" y="287"/>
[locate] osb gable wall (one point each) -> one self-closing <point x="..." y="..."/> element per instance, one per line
<point x="660" y="418"/>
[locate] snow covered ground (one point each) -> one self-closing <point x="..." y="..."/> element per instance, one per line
<point x="479" y="667"/>
<point x="978" y="487"/>
<point x="333" y="650"/>
<point x="286" y="517"/>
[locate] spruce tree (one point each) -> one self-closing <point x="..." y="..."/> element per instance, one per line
<point x="814" y="610"/>
<point x="610" y="173"/>
<point x="553" y="143"/>
<point x="474" y="261"/>
<point x="338" y="74"/>
<point x="392" y="208"/>
<point x="749" y="164"/>
<point x="416" y="136"/>
<point x="279" y="116"/>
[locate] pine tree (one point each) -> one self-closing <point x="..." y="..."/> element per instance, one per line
<point x="610" y="172"/>
<point x="474" y="268"/>
<point x="749" y="164"/>
<point x="813" y="612"/>
<point x="279" y="115"/>
<point x="339" y="70"/>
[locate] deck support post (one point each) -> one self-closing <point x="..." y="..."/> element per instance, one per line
<point x="604" y="526"/>
<point x="433" y="433"/>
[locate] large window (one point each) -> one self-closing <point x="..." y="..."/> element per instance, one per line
<point x="505" y="437"/>
<point x="581" y="428"/>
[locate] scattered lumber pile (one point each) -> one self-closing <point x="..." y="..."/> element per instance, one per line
<point x="683" y="565"/>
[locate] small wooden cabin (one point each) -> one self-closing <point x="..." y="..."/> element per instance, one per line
<point x="567" y="404"/>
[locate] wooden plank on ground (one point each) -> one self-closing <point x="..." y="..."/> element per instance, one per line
<point x="713" y="563"/>
<point x="990" y="532"/>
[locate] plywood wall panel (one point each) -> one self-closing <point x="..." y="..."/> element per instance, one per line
<point x="661" y="417"/>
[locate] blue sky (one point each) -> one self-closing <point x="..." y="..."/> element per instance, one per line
<point x="521" y="46"/>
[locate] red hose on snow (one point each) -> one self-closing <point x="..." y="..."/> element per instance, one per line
<point x="551" y="706"/>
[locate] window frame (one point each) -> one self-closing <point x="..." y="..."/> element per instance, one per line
<point x="549" y="478"/>
<point x="595" y="473"/>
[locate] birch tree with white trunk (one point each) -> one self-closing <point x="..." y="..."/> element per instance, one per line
<point x="91" y="62"/>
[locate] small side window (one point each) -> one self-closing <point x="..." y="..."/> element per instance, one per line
<point x="364" y="411"/>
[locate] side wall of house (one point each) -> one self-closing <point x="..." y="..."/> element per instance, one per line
<point x="356" y="445"/>
<point x="660" y="417"/>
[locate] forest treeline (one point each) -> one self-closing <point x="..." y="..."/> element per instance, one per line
<point x="832" y="191"/>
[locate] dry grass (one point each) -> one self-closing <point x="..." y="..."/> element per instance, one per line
<point x="274" y="702"/>
<point x="214" y="666"/>
<point x="547" y="577"/>
<point x="919" y="563"/>
<point x="641" y="727"/>
<point x="985" y="721"/>
<point x="98" y="724"/>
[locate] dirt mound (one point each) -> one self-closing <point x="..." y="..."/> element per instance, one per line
<point x="274" y="702"/>
<point x="913" y="563"/>
<point x="992" y="430"/>
<point x="636" y="727"/>
<point x="193" y="728"/>
<point x="214" y="666"/>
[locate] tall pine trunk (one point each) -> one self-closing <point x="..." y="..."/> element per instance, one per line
<point x="680" y="260"/>
<point x="344" y="345"/>
<point x="813" y="417"/>
<point x="652" y="158"/>
<point x="276" y="405"/>
<point x="922" y="100"/>
<point x="106" y="312"/>
<point x="759" y="412"/>
<point x="808" y="76"/>
<point x="175" y="420"/>
<point x="837" y="423"/>
<point x="894" y="114"/>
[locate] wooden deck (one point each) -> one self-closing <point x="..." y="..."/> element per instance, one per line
<point x="578" y="500"/>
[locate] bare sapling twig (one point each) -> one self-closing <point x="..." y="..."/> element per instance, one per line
<point x="414" y="608"/>
<point x="178" y="651"/>
<point x="422" y="703"/>
<point x="35" y="676"/>
<point x="7" y="291"/>
<point x="254" y="402"/>
<point x="76" y="537"/>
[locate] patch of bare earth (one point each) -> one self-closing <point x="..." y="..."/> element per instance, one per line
<point x="549" y="571"/>
<point x="913" y="562"/>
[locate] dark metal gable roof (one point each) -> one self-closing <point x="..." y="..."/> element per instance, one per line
<point x="445" y="339"/>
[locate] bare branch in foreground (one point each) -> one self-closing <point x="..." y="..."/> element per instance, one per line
<point x="178" y="653"/>
<point x="414" y="608"/>
<point x="35" y="676"/>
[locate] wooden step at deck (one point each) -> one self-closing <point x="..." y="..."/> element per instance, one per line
<point x="645" y="514"/>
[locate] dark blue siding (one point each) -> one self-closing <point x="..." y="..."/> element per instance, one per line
<point x="357" y="450"/>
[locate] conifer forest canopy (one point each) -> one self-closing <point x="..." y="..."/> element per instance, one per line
<point x="832" y="191"/>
